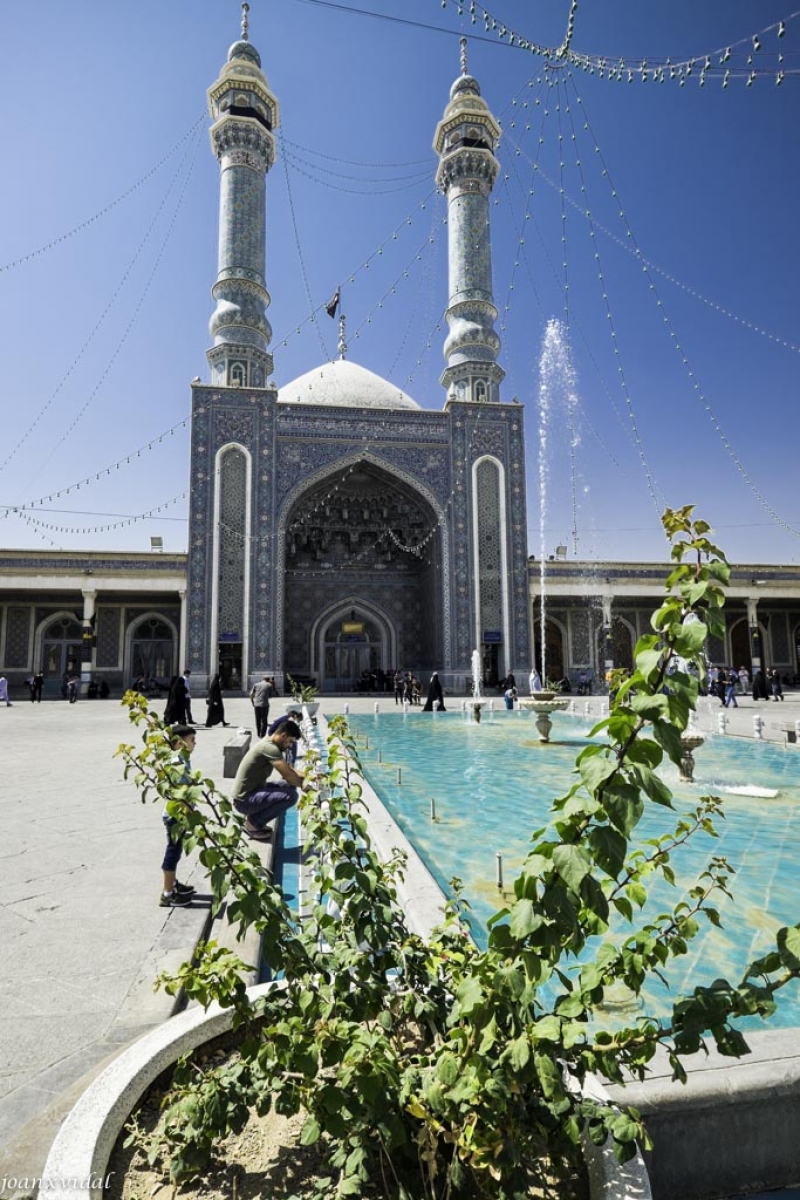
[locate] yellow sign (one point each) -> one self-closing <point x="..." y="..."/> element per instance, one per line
<point x="352" y="626"/>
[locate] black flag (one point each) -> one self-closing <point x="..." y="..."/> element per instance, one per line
<point x="333" y="303"/>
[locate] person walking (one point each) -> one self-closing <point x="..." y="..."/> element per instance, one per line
<point x="173" y="893"/>
<point x="215" y="709"/>
<point x="435" y="695"/>
<point x="72" y="689"/>
<point x="534" y="681"/>
<point x="255" y="796"/>
<point x="775" y="685"/>
<point x="731" y="681"/>
<point x="259" y="698"/>
<point x="4" y="692"/>
<point x="187" y="681"/>
<point x="175" y="711"/>
<point x="37" y="686"/>
<point x="744" y="681"/>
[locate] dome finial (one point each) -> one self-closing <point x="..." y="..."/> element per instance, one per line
<point x="245" y="24"/>
<point x="463" y="56"/>
<point x="342" y="338"/>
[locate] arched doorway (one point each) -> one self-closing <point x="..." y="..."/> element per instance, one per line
<point x="554" y="649"/>
<point x="61" y="647"/>
<point x="740" y="645"/>
<point x="362" y="549"/>
<point x="152" y="649"/>
<point x="354" y="655"/>
<point x="623" y="639"/>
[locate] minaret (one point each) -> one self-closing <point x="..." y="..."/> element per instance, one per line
<point x="245" y="114"/>
<point x="465" y="141"/>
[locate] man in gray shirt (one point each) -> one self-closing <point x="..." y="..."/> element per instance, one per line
<point x="257" y="798"/>
<point x="259" y="698"/>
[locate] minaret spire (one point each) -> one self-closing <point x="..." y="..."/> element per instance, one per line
<point x="245" y="115"/>
<point x="465" y="141"/>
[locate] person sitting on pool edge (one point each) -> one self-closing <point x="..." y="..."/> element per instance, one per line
<point x="258" y="799"/>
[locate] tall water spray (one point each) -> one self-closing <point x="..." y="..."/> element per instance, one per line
<point x="476" y="675"/>
<point x="556" y="386"/>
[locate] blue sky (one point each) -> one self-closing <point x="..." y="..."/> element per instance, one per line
<point x="687" y="372"/>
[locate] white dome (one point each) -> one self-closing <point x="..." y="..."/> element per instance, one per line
<point x="346" y="385"/>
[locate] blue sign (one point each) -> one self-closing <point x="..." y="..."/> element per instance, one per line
<point x="492" y="636"/>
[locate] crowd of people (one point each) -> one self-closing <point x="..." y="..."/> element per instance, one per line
<point x="726" y="683"/>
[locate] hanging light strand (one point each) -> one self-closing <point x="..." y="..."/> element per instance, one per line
<point x="97" y="476"/>
<point x="189" y="155"/>
<point x="364" y="186"/>
<point x="741" y="59"/>
<point x="392" y="289"/>
<point x="678" y="346"/>
<point x="354" y="274"/>
<point x="132" y="320"/>
<point x="347" y="162"/>
<point x="64" y="237"/>
<point x="152" y="513"/>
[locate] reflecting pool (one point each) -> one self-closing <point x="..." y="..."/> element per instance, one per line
<point x="493" y="783"/>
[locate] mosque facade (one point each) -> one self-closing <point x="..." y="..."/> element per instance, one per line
<point x="338" y="530"/>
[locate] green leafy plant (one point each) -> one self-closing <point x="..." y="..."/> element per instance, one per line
<point x="303" y="693"/>
<point x="429" y="1066"/>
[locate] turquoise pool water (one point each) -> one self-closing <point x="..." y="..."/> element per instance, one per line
<point x="493" y="783"/>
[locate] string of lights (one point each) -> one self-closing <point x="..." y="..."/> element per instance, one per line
<point x="312" y="311"/>
<point x="349" y="162"/>
<point x="132" y="520"/>
<point x="133" y="318"/>
<point x="741" y="59"/>
<point x="678" y="346"/>
<point x="51" y="245"/>
<point x="96" y="476"/>
<point x="407" y="221"/>
<point x="621" y="372"/>
<point x="318" y="174"/>
<point x="521" y="260"/>
<point x="191" y="149"/>
<point x="427" y="287"/>
<point x="392" y="289"/>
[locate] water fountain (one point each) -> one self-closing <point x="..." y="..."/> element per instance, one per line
<point x="477" y="700"/>
<point x="543" y="704"/>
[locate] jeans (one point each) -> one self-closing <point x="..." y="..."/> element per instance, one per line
<point x="265" y="805"/>
<point x="174" y="850"/>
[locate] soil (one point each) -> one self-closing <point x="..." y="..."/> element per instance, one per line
<point x="264" y="1161"/>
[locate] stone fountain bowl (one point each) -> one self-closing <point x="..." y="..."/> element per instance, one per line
<point x="544" y="702"/>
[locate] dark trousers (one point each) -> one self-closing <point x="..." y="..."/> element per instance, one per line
<point x="262" y="720"/>
<point x="265" y="805"/>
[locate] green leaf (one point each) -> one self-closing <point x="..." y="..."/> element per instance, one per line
<point x="310" y="1132"/>
<point x="469" y="995"/>
<point x="525" y="918"/>
<point x="572" y="864"/>
<point x="608" y="847"/>
<point x="520" y="1052"/>
<point x="789" y="947"/>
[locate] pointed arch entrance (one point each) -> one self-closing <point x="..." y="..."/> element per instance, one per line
<point x="353" y="648"/>
<point x="363" y="576"/>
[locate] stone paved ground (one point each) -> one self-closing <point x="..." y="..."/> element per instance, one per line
<point x="81" y="932"/>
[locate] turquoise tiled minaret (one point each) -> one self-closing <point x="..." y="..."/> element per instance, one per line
<point x="465" y="141"/>
<point x="245" y="114"/>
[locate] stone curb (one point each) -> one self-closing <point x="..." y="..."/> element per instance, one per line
<point x="77" y="1162"/>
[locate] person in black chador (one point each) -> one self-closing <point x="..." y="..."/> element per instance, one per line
<point x="759" y="686"/>
<point x="175" y="712"/>
<point x="435" y="695"/>
<point x="214" y="705"/>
